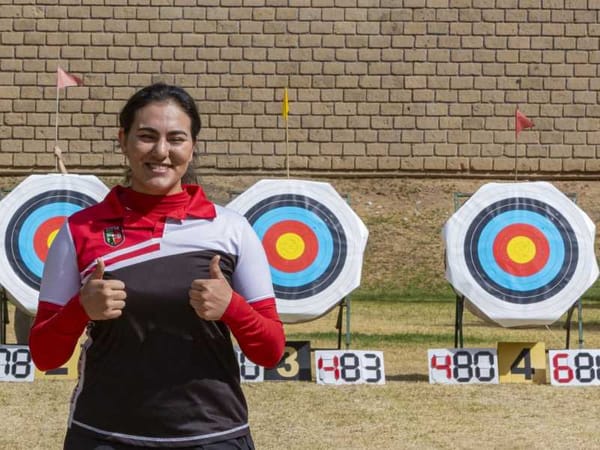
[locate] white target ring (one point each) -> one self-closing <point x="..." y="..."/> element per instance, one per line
<point x="30" y="216"/>
<point x="520" y="253"/>
<point x="313" y="240"/>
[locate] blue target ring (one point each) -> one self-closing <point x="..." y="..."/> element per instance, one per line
<point x="319" y="227"/>
<point x="19" y="239"/>
<point x="550" y="280"/>
<point x="29" y="227"/>
<point x="545" y="276"/>
<point x="332" y="251"/>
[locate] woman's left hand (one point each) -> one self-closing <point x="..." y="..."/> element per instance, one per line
<point x="210" y="298"/>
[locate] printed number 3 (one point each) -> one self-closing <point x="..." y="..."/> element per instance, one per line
<point x="290" y="367"/>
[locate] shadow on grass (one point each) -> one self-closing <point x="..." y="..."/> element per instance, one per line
<point x="413" y="377"/>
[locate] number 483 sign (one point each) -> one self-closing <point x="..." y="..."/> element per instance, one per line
<point x="331" y="366"/>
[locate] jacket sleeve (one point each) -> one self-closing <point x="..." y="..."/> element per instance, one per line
<point x="252" y="315"/>
<point x="55" y="333"/>
<point x="60" y="318"/>
<point x="257" y="328"/>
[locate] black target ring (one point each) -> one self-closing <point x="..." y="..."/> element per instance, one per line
<point x="569" y="255"/>
<point x="18" y="230"/>
<point x="311" y="212"/>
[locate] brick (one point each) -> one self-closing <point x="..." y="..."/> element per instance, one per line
<point x="412" y="163"/>
<point x="573" y="165"/>
<point x="592" y="165"/>
<point x="435" y="163"/>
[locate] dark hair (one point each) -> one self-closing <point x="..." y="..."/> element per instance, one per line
<point x="160" y="92"/>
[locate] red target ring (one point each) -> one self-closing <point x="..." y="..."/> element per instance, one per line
<point x="45" y="234"/>
<point x="290" y="246"/>
<point x="521" y="249"/>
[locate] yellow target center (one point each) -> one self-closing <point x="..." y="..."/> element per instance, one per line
<point x="51" y="237"/>
<point x="290" y="246"/>
<point x="521" y="249"/>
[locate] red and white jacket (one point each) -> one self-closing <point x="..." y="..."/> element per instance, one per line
<point x="158" y="376"/>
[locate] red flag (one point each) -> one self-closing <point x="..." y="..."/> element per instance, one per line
<point x="64" y="79"/>
<point x="521" y="122"/>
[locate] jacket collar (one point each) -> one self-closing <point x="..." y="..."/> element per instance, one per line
<point x="198" y="206"/>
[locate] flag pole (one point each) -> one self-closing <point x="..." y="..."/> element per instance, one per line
<point x="284" y="112"/>
<point x="56" y="157"/>
<point x="516" y="145"/>
<point x="516" y="158"/>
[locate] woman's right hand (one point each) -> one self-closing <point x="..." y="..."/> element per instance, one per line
<point x="102" y="299"/>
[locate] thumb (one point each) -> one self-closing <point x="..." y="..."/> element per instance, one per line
<point x="214" y="270"/>
<point x="98" y="272"/>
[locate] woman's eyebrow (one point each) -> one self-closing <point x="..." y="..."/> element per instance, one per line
<point x="153" y="130"/>
<point x="178" y="132"/>
<point x="149" y="129"/>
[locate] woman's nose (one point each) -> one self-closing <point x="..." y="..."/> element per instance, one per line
<point x="161" y="148"/>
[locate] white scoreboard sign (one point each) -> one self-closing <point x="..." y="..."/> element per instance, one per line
<point x="463" y="365"/>
<point x="15" y="363"/>
<point x="574" y="367"/>
<point x="349" y="367"/>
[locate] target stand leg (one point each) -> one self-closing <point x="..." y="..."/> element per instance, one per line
<point x="345" y="303"/>
<point x="458" y="322"/>
<point x="570" y="312"/>
<point x="3" y="316"/>
<point x="580" y="322"/>
<point x="338" y="324"/>
<point x="347" y="322"/>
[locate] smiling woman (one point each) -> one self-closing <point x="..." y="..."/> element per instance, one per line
<point x="158" y="134"/>
<point x="159" y="148"/>
<point x="158" y="276"/>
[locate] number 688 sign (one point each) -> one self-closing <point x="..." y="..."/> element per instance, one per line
<point x="574" y="367"/>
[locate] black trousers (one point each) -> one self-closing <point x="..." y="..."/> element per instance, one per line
<point x="79" y="441"/>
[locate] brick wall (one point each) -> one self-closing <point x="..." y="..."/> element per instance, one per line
<point x="375" y="86"/>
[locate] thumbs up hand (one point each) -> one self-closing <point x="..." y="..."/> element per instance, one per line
<point x="102" y="299"/>
<point x="210" y="298"/>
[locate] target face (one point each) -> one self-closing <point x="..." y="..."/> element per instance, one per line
<point x="312" y="239"/>
<point x="520" y="253"/>
<point x="31" y="215"/>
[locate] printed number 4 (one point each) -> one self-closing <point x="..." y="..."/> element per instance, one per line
<point x="526" y="369"/>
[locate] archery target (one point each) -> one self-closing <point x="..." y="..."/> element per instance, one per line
<point x="312" y="239"/>
<point x="520" y="253"/>
<point x="31" y="215"/>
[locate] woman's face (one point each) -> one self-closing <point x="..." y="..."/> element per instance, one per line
<point x="159" y="147"/>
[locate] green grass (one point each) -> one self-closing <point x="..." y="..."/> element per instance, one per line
<point x="410" y="293"/>
<point x="442" y="292"/>
<point x="364" y="340"/>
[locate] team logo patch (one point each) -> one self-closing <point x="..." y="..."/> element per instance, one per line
<point x="113" y="236"/>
